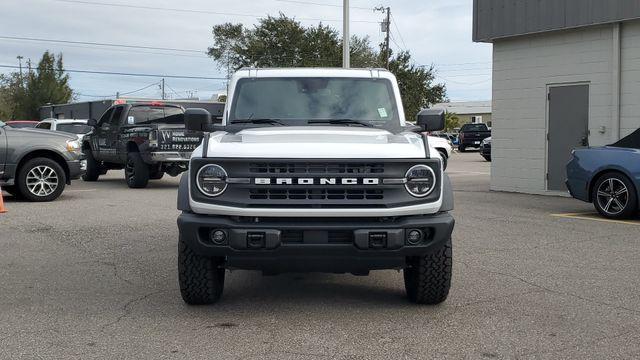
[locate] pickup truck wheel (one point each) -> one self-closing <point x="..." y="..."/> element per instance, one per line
<point x="462" y="148"/>
<point x="428" y="278"/>
<point x="136" y="171"/>
<point x="614" y="196"/>
<point x="93" y="168"/>
<point x="41" y="179"/>
<point x="201" y="278"/>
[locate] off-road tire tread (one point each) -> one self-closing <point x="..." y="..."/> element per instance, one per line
<point x="428" y="279"/>
<point x="141" y="172"/>
<point x="93" y="168"/>
<point x="201" y="278"/>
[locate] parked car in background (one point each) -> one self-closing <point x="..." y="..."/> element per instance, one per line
<point x="444" y="147"/>
<point x="485" y="148"/>
<point x="78" y="127"/>
<point x="147" y="139"/>
<point x="21" y="124"/>
<point x="471" y="135"/>
<point x="37" y="164"/>
<point x="608" y="177"/>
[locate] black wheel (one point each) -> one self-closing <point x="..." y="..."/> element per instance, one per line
<point x="136" y="171"/>
<point x="41" y="179"/>
<point x="614" y="196"/>
<point x="93" y="167"/>
<point x="445" y="159"/>
<point x="462" y="148"/>
<point x="427" y="279"/>
<point x="201" y="278"/>
<point x="156" y="175"/>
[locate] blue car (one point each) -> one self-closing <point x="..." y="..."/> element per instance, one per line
<point x="608" y="177"/>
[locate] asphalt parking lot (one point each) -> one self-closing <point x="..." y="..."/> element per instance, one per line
<point x="93" y="275"/>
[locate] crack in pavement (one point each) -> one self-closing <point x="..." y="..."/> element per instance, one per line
<point x="552" y="291"/>
<point x="127" y="307"/>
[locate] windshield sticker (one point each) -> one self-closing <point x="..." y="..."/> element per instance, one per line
<point x="131" y="120"/>
<point x="382" y="112"/>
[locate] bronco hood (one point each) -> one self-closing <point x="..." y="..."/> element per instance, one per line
<point x="319" y="142"/>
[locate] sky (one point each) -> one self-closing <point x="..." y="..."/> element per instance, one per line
<point x="436" y="32"/>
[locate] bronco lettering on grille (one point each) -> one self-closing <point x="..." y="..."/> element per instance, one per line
<point x="314" y="181"/>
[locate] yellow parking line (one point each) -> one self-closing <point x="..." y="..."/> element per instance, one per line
<point x="595" y="217"/>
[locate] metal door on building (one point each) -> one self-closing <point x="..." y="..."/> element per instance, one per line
<point x="568" y="129"/>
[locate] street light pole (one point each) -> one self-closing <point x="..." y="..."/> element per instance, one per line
<point x="345" y="35"/>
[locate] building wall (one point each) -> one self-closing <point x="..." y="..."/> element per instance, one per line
<point x="523" y="68"/>
<point x="466" y="118"/>
<point x="630" y="78"/>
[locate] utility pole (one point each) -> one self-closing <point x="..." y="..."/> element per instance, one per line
<point x="19" y="57"/>
<point x="386" y="28"/>
<point x="345" y="35"/>
<point x="162" y="88"/>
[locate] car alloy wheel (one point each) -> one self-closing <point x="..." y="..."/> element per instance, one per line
<point x="613" y="196"/>
<point x="42" y="180"/>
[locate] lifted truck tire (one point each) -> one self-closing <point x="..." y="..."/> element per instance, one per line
<point x="136" y="171"/>
<point x="201" y="278"/>
<point x="93" y="168"/>
<point x="428" y="278"/>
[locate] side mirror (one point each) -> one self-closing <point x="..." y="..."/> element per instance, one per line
<point x="197" y="120"/>
<point x="431" y="119"/>
<point x="92" y="122"/>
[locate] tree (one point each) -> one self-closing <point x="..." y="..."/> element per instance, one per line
<point x="26" y="93"/>
<point x="416" y="84"/>
<point x="452" y="121"/>
<point x="284" y="42"/>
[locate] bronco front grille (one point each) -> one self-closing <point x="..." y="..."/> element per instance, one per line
<point x="316" y="194"/>
<point x="316" y="168"/>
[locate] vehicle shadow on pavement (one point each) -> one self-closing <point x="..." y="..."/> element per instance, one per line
<point x="311" y="289"/>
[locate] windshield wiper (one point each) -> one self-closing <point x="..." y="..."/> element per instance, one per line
<point x="341" y="121"/>
<point x="258" y="121"/>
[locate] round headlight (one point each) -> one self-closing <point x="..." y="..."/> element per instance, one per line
<point x="212" y="180"/>
<point x="421" y="180"/>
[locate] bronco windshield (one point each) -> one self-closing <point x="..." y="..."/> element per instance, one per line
<point x="299" y="101"/>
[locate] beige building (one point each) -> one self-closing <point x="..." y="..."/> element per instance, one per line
<point x="469" y="111"/>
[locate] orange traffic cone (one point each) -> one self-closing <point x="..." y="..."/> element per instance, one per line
<point x="2" y="208"/>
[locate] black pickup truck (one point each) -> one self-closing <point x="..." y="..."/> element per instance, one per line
<point x="471" y="135"/>
<point x="146" y="139"/>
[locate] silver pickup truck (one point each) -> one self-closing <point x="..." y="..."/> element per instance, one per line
<point x="315" y="170"/>
<point x="38" y="164"/>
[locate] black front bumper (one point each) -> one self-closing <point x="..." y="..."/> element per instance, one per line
<point x="324" y="245"/>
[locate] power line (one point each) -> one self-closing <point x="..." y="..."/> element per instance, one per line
<point x="21" y="38"/>
<point x="398" y="30"/>
<point x="131" y="74"/>
<point x="192" y="11"/>
<point x="322" y="4"/>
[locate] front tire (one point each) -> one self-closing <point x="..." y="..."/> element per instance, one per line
<point x="614" y="196"/>
<point x="136" y="171"/>
<point x="201" y="278"/>
<point x="41" y="180"/>
<point x="428" y="278"/>
<point x="93" y="167"/>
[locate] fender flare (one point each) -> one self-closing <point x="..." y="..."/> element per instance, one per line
<point x="447" y="194"/>
<point x="183" y="193"/>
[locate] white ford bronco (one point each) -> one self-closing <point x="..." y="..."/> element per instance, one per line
<point x="315" y="170"/>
